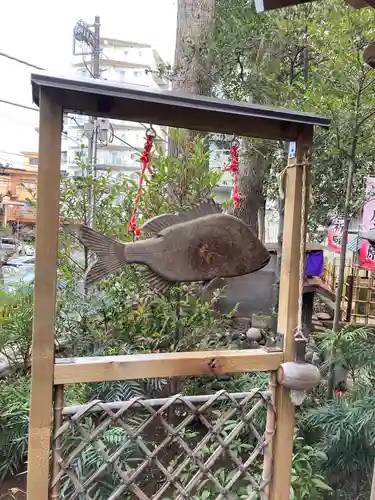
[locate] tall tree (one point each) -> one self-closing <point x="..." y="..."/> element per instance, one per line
<point x="195" y="25"/>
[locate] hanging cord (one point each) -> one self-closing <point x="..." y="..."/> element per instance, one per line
<point x="233" y="167"/>
<point x="145" y="160"/>
<point x="299" y="335"/>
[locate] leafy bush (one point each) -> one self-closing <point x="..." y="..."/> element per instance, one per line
<point x="16" y="328"/>
<point x="307" y="483"/>
<point x="14" y="421"/>
<point x="343" y="427"/>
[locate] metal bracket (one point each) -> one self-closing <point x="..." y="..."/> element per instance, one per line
<point x="279" y="344"/>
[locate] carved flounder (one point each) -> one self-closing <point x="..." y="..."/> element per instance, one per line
<point x="199" y="244"/>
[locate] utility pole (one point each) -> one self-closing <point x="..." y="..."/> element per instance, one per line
<point x="89" y="36"/>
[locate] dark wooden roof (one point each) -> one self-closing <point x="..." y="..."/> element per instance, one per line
<point x="141" y="104"/>
<point x="264" y="5"/>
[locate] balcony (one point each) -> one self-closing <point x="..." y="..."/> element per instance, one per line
<point x="21" y="214"/>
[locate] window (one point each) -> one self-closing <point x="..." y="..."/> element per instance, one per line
<point x="27" y="185"/>
<point x="126" y="53"/>
<point x="121" y="76"/>
<point x="33" y="160"/>
<point x="140" y="53"/>
<point x="137" y="73"/>
<point x="64" y="157"/>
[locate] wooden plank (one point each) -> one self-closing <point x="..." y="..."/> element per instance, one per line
<point x="175" y="364"/>
<point x="44" y="298"/>
<point x="288" y="317"/>
<point x="328" y="302"/>
<point x="193" y="118"/>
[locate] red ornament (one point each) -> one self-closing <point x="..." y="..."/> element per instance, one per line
<point x="233" y="167"/>
<point x="145" y="160"/>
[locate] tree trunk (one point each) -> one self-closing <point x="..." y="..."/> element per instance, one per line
<point x="251" y="176"/>
<point x="262" y="221"/>
<point x="195" y="25"/>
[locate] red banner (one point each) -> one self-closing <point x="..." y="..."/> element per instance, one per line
<point x="366" y="251"/>
<point x="334" y="235"/>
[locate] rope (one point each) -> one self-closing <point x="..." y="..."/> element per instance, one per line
<point x="233" y="167"/>
<point x="145" y="160"/>
<point x="299" y="335"/>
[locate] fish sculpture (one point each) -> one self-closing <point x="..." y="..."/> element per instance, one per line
<point x="198" y="244"/>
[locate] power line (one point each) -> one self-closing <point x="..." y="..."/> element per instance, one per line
<point x="18" y="105"/>
<point x="13" y="58"/>
<point x="11" y="153"/>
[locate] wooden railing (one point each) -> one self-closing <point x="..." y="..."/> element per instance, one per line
<point x="152" y="448"/>
<point x="358" y="297"/>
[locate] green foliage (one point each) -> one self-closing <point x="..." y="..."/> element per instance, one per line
<point x="93" y="456"/>
<point x="307" y="483"/>
<point x="353" y="348"/>
<point x="14" y="421"/>
<point x="261" y="58"/>
<point x="16" y="328"/>
<point x="347" y="437"/>
<point x="182" y="181"/>
<point x="343" y="428"/>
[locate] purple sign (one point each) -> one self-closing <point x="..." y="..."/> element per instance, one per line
<point x="314" y="263"/>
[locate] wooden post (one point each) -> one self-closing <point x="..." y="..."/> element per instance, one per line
<point x="372" y="496"/>
<point x="47" y="224"/>
<point x="288" y="316"/>
<point x="56" y="447"/>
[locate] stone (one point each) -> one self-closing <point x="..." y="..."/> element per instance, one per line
<point x="262" y="321"/>
<point x="316" y="322"/>
<point x="315" y="359"/>
<point x="4" y="367"/>
<point x="309" y="356"/>
<point x="241" y="322"/>
<point x="254" y="334"/>
<point x="323" y="316"/>
<point x="253" y="345"/>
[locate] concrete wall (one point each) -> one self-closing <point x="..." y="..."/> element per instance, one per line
<point x="253" y="291"/>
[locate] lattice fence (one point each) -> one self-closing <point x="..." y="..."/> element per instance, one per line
<point x="198" y="447"/>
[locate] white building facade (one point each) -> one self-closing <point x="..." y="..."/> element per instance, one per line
<point x="135" y="64"/>
<point x="124" y="62"/>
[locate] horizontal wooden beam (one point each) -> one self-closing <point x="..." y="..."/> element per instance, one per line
<point x="175" y="364"/>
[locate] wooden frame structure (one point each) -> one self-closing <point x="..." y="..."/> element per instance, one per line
<point x="55" y="95"/>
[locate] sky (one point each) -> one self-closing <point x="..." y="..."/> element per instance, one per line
<point x="40" y="32"/>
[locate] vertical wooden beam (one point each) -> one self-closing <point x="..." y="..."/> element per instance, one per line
<point x="288" y="316"/>
<point x="47" y="224"/>
<point x="372" y="496"/>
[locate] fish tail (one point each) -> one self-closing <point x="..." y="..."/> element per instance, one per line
<point x="109" y="253"/>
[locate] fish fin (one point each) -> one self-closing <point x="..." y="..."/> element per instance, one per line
<point x="155" y="225"/>
<point x="158" y="223"/>
<point x="110" y="254"/>
<point x="158" y="284"/>
<point x="207" y="207"/>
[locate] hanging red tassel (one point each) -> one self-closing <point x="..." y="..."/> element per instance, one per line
<point x="233" y="167"/>
<point x="145" y="160"/>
